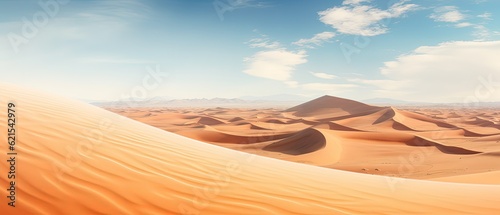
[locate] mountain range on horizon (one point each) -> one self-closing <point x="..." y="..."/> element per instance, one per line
<point x="278" y="100"/>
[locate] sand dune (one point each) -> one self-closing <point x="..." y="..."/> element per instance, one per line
<point x="407" y="139"/>
<point x="478" y="178"/>
<point x="209" y="121"/>
<point x="332" y="106"/>
<point x="79" y="159"/>
<point x="209" y="134"/>
<point x="334" y="126"/>
<point x="236" y="119"/>
<point x="392" y="118"/>
<point x="478" y="121"/>
<point x="310" y="146"/>
<point x="348" y="135"/>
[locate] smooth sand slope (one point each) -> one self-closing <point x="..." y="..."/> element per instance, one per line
<point x="78" y="159"/>
<point x="485" y="178"/>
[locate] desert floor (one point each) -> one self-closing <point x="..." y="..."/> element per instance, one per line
<point x="75" y="158"/>
<point x="438" y="143"/>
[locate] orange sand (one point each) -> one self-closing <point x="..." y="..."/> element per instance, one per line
<point x="75" y="158"/>
<point x="347" y="135"/>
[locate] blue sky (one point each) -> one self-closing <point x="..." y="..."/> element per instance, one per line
<point x="435" y="51"/>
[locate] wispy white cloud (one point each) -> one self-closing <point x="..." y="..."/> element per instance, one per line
<point x="354" y="2"/>
<point x="429" y="70"/>
<point x="328" y="87"/>
<point x="357" y="18"/>
<point x="97" y="20"/>
<point x="276" y="64"/>
<point x="263" y="42"/>
<point x="463" y="24"/>
<point x="323" y="75"/>
<point x="89" y="22"/>
<point x="451" y="14"/>
<point x="482" y="33"/>
<point x="239" y="4"/>
<point x="223" y="6"/>
<point x="316" y="40"/>
<point x="127" y="9"/>
<point x="292" y="84"/>
<point x="383" y="84"/>
<point x="486" y="16"/>
<point x="447" y="14"/>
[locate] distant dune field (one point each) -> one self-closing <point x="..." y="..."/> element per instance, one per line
<point x="461" y="145"/>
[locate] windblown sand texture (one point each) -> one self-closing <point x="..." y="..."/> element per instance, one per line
<point x="75" y="158"/>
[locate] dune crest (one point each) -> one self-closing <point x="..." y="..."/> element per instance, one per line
<point x="331" y="105"/>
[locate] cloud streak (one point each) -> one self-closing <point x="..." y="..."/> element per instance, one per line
<point x="316" y="40"/>
<point x="328" y="88"/>
<point x="263" y="42"/>
<point x="447" y="14"/>
<point x="433" y="73"/>
<point x="277" y="64"/>
<point x="356" y="18"/>
<point x="323" y="75"/>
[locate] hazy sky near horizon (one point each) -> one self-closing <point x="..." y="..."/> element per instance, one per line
<point x="431" y="51"/>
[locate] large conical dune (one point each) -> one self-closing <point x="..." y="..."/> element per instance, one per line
<point x="74" y="159"/>
<point x="331" y="105"/>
